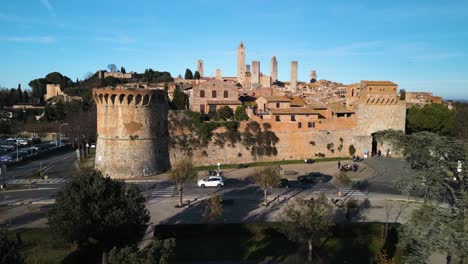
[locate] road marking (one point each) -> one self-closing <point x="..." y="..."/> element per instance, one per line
<point x="163" y="190"/>
<point x="38" y="181"/>
<point x="351" y="192"/>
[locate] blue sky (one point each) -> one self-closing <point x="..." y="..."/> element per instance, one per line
<point x="420" y="45"/>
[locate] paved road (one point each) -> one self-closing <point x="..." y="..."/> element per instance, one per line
<point x="387" y="173"/>
<point x="63" y="160"/>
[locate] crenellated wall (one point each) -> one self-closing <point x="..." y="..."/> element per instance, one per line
<point x="132" y="132"/>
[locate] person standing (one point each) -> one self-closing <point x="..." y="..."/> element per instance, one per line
<point x="339" y="165"/>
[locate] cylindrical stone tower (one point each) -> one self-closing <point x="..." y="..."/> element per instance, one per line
<point x="132" y="129"/>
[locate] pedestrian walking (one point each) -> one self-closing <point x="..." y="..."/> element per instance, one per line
<point x="339" y="165"/>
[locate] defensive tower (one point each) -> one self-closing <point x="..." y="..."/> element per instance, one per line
<point x="274" y="69"/>
<point x="241" y="63"/>
<point x="132" y="132"/>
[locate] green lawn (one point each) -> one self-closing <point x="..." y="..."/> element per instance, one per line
<point x="350" y="243"/>
<point x="347" y="243"/>
<point x="268" y="163"/>
<point x="39" y="247"/>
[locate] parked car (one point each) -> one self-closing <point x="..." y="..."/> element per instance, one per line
<point x="309" y="161"/>
<point x="241" y="166"/>
<point x="8" y="158"/>
<point x="349" y="167"/>
<point x="213" y="181"/>
<point x="283" y="183"/>
<point x="313" y="177"/>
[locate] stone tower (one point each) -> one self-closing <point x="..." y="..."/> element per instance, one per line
<point x="241" y="63"/>
<point x="313" y="76"/>
<point x="132" y="132"/>
<point x="255" y="80"/>
<point x="293" y="85"/>
<point x="218" y="74"/>
<point x="274" y="69"/>
<point x="200" y="68"/>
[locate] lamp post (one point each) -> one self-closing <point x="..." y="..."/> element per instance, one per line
<point x="17" y="152"/>
<point x="60" y="133"/>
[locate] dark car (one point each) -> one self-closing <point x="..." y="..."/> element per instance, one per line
<point x="309" y="161"/>
<point x="349" y="167"/>
<point x="314" y="177"/>
<point x="241" y="166"/>
<point x="283" y="183"/>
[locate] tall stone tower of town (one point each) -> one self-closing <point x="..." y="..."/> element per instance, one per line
<point x="293" y="85"/>
<point x="255" y="79"/>
<point x="200" y="68"/>
<point x="132" y="132"/>
<point x="274" y="69"/>
<point x="241" y="63"/>
<point x="313" y="76"/>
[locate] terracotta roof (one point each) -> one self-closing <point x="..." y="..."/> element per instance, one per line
<point x="277" y="99"/>
<point x="339" y="108"/>
<point x="298" y="101"/>
<point x="294" y="111"/>
<point x="224" y="102"/>
<point x="314" y="104"/>
<point x="378" y="83"/>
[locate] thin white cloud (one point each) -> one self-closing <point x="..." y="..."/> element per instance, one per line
<point x="48" y="6"/>
<point x="29" y="39"/>
<point x="117" y="39"/>
<point x="352" y="49"/>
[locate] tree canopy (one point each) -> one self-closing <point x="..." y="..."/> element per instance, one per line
<point x="188" y="74"/>
<point x="241" y="114"/>
<point x="179" y="99"/>
<point x="98" y="211"/>
<point x="435" y="118"/>
<point x="196" y="76"/>
<point x="8" y="250"/>
<point x="157" y="252"/>
<point x="183" y="172"/>
<point x="266" y="178"/>
<point x="225" y="113"/>
<point x="307" y="220"/>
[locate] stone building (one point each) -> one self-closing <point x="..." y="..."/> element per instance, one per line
<point x="241" y="63"/>
<point x="218" y="74"/>
<point x="265" y="103"/>
<point x="421" y="98"/>
<point x="52" y="91"/>
<point x="255" y="75"/>
<point x="200" y="68"/>
<point x="212" y="95"/>
<point x="118" y="75"/>
<point x="274" y="69"/>
<point x="132" y="130"/>
<point x="293" y="82"/>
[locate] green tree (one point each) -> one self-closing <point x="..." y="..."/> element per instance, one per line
<point x="110" y="81"/>
<point x="122" y="70"/>
<point x="39" y="88"/>
<point x="435" y="118"/>
<point x="307" y="221"/>
<point x="26" y="97"/>
<point x="19" y="94"/>
<point x="9" y="250"/>
<point x="157" y="252"/>
<point x="188" y="74"/>
<point x="461" y="121"/>
<point x="352" y="150"/>
<point x="213" y="207"/>
<point x="92" y="210"/>
<point x="182" y="173"/>
<point x="241" y="114"/>
<point x="196" y="76"/>
<point x="433" y="228"/>
<point x="179" y="99"/>
<point x="266" y="178"/>
<point x="225" y="113"/>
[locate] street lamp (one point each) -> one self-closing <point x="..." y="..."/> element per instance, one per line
<point x="60" y="133"/>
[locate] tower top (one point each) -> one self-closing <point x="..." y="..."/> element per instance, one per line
<point x="241" y="45"/>
<point x="273" y="58"/>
